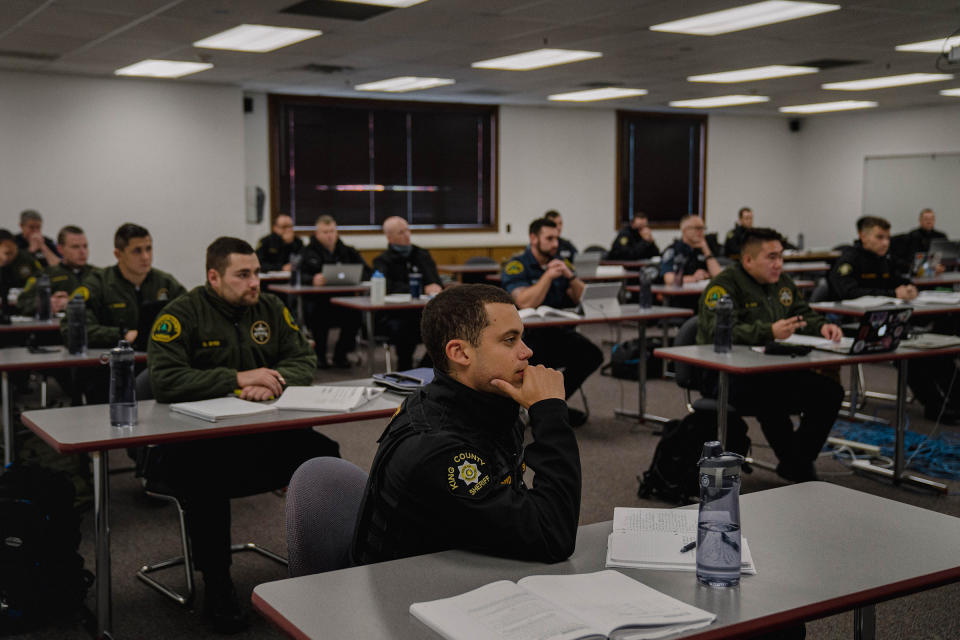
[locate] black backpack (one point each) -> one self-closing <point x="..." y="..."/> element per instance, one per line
<point x="41" y="574"/>
<point x="673" y="474"/>
<point x="624" y="357"/>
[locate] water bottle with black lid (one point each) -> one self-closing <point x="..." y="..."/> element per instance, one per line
<point x="645" y="296"/>
<point x="43" y="297"/>
<point x="718" y="523"/>
<point x="123" y="395"/>
<point x="723" y="334"/>
<point x="77" y="325"/>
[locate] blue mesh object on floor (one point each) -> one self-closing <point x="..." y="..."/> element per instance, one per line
<point x="938" y="457"/>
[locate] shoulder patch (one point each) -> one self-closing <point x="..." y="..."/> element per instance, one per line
<point x="260" y="332"/>
<point x="514" y="267"/>
<point x="845" y="269"/>
<point x="466" y="475"/>
<point x="567" y="262"/>
<point x="785" y="296"/>
<point x="624" y="241"/>
<point x="30" y="282"/>
<point x="288" y="318"/>
<point x="166" y="328"/>
<point x="83" y="291"/>
<point x="713" y="296"/>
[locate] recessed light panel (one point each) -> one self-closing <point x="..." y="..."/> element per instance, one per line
<point x="256" y="38"/>
<point x="823" y="107"/>
<point x="403" y="83"/>
<point x="886" y="82"/>
<point x="590" y="95"/>
<point x="536" y="59"/>
<point x="746" y="17"/>
<point x="718" y="101"/>
<point x="951" y="93"/>
<point x="400" y="4"/>
<point x="162" y="68"/>
<point x="756" y="73"/>
<point x="931" y="46"/>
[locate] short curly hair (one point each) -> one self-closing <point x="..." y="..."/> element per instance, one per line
<point x="458" y="312"/>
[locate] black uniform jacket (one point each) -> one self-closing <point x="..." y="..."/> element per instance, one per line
<point x="396" y="268"/>
<point x="316" y="255"/>
<point x="629" y="245"/>
<point x="449" y="474"/>
<point x="858" y="272"/>
<point x="273" y="252"/>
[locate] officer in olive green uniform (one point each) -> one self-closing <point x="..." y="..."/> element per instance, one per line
<point x="767" y="305"/>
<point x="62" y="278"/>
<point x="18" y="272"/>
<point x="219" y="338"/>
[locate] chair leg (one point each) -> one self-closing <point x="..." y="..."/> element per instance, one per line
<point x="386" y="355"/>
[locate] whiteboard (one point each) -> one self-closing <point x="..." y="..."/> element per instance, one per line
<point x="898" y="187"/>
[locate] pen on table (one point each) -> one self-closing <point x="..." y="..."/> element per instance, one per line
<point x="688" y="546"/>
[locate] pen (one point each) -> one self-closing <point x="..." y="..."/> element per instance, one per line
<point x="688" y="546"/>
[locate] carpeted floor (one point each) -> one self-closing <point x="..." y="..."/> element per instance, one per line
<point x="613" y="451"/>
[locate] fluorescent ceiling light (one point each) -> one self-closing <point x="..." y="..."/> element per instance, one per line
<point x="162" y="68"/>
<point x="718" y="101"/>
<point x="536" y="59"/>
<point x="951" y="92"/>
<point x="589" y="95"/>
<point x="400" y="4"/>
<point x="756" y="73"/>
<point x="256" y="38"/>
<point x="887" y="81"/>
<point x="745" y="17"/>
<point x="823" y="107"/>
<point x="931" y="46"/>
<point x="403" y="83"/>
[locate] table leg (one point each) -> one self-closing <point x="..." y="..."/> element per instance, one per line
<point x="642" y="371"/>
<point x="101" y="502"/>
<point x="854" y="391"/>
<point x="865" y="623"/>
<point x="723" y="395"/>
<point x="371" y="343"/>
<point x="7" y="421"/>
<point x="901" y="420"/>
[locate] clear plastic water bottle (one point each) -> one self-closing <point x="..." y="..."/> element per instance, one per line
<point x="718" y="524"/>
<point x="645" y="296"/>
<point x="123" y="394"/>
<point x="378" y="288"/>
<point x="295" y="269"/>
<point x="43" y="297"/>
<point x="799" y="242"/>
<point x="77" y="325"/>
<point x="723" y="334"/>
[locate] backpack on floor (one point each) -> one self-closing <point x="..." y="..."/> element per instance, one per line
<point x="674" y="472"/>
<point x="41" y="574"/>
<point x="624" y="357"/>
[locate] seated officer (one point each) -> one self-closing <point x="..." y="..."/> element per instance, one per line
<point x="690" y="255"/>
<point x="449" y="470"/>
<point x="31" y="240"/>
<point x="635" y="241"/>
<point x="275" y="250"/>
<point x="867" y="269"/>
<point x="19" y="266"/>
<point x="565" y="248"/>
<point x="326" y="248"/>
<point x="64" y="277"/>
<point x="767" y="305"/>
<point x="918" y="240"/>
<point x="396" y="264"/>
<point x="538" y="277"/>
<point x="218" y="338"/>
<point x="731" y="246"/>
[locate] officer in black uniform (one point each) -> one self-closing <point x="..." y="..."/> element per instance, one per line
<point x="326" y="247"/>
<point x="735" y="237"/>
<point x="276" y="250"/>
<point x="565" y="248"/>
<point x="537" y="277"/>
<point x="396" y="264"/>
<point x="635" y="241"/>
<point x="906" y="247"/>
<point x="449" y="470"/>
<point x="866" y="269"/>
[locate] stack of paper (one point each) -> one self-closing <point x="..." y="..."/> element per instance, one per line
<point x="652" y="539"/>
<point x="326" y="398"/>
<point x="939" y="297"/>
<point x="609" y="270"/>
<point x="221" y="408"/>
<point x="868" y="302"/>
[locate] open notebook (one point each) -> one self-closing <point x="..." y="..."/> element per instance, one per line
<point x="326" y="398"/>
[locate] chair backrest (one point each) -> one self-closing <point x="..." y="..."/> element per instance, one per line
<point x="688" y="376"/>
<point x="595" y="248"/>
<point x="821" y="292"/>
<point x="323" y="500"/>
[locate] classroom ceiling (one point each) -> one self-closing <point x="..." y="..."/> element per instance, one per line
<point x="440" y="38"/>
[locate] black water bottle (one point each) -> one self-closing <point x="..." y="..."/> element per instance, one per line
<point x="645" y="296"/>
<point x="723" y="336"/>
<point x="123" y="396"/>
<point x="678" y="263"/>
<point x="43" y="297"/>
<point x="77" y="325"/>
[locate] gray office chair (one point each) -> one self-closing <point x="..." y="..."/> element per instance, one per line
<point x="323" y="501"/>
<point x="144" y="390"/>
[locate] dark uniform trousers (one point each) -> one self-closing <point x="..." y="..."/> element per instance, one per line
<point x="321" y="315"/>
<point x="564" y="348"/>
<point x="402" y="329"/>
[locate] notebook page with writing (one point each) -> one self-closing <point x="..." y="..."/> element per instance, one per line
<point x="326" y="398"/>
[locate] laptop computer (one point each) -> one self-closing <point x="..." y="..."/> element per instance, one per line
<point x="600" y="300"/>
<point x="880" y="331"/>
<point x="345" y="274"/>
<point x="587" y="264"/>
<point x="943" y="252"/>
